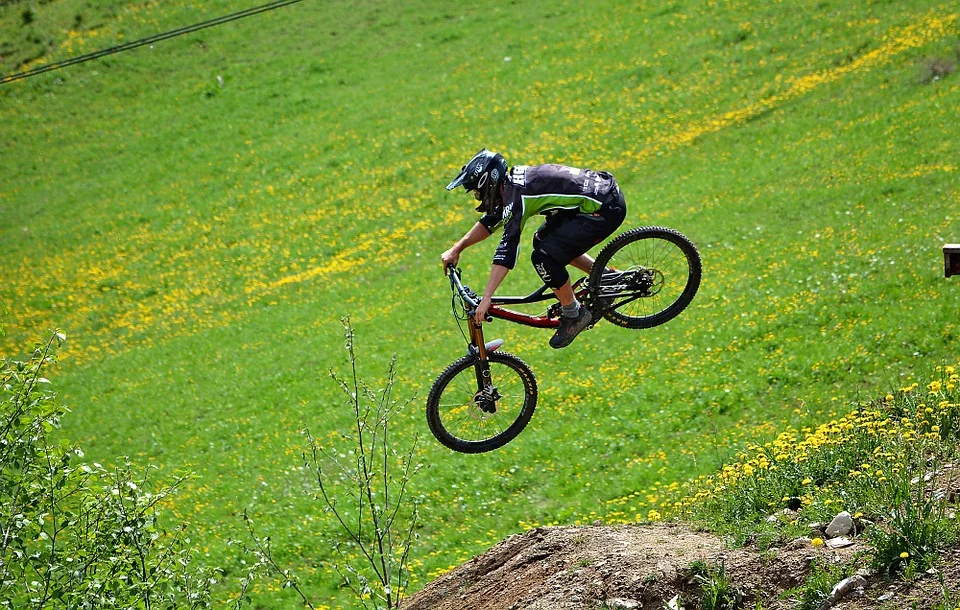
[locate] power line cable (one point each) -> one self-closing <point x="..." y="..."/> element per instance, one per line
<point x="149" y="40"/>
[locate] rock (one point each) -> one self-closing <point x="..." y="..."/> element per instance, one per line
<point x="840" y="526"/>
<point x="797" y="544"/>
<point x="842" y="589"/>
<point x="885" y="597"/>
<point x="667" y="570"/>
<point x="839" y="542"/>
<point x="622" y="604"/>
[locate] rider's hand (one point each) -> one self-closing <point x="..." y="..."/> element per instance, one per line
<point x="481" y="314"/>
<point x="450" y="257"/>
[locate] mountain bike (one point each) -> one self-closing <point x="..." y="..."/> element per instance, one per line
<point x="643" y="278"/>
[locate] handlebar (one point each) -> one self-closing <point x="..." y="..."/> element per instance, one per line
<point x="469" y="296"/>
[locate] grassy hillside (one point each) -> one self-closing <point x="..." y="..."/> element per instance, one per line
<point x="198" y="215"/>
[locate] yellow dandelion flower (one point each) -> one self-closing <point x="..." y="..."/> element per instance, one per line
<point x="904" y="555"/>
<point x="817" y="542"/>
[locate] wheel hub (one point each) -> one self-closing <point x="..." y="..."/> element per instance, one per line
<point x="486" y="402"/>
<point x="647" y="282"/>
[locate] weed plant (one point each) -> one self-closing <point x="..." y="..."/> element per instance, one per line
<point x="823" y="577"/>
<point x="364" y="482"/>
<point x="716" y="589"/>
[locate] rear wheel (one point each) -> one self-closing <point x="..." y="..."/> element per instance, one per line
<point x="470" y="419"/>
<point x="645" y="277"/>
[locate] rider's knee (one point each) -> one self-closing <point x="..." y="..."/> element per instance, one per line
<point x="553" y="273"/>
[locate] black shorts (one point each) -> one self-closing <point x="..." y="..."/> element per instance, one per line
<point x="564" y="237"/>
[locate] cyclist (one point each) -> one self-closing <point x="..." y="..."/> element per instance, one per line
<point x="582" y="207"/>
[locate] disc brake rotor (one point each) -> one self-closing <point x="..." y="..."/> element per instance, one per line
<point x="643" y="282"/>
<point x="485" y="403"/>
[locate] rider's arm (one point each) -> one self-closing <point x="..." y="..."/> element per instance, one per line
<point x="477" y="234"/>
<point x="497" y="273"/>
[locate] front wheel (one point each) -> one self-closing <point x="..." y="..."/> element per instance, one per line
<point x="472" y="419"/>
<point x="645" y="277"/>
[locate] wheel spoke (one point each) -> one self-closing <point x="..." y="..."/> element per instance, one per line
<point x="458" y="418"/>
<point x="659" y="274"/>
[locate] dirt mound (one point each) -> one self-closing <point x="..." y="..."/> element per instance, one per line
<point x="640" y="567"/>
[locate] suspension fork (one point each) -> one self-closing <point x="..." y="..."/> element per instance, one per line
<point x="478" y="346"/>
<point x="485" y="393"/>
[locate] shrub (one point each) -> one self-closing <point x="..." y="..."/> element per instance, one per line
<point x="937" y="68"/>
<point x="78" y="535"/>
<point x="885" y="462"/>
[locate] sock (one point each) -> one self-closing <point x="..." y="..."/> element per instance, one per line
<point x="572" y="310"/>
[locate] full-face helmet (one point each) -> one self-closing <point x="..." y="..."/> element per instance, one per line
<point x="484" y="173"/>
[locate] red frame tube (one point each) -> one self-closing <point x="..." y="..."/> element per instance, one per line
<point x="522" y="318"/>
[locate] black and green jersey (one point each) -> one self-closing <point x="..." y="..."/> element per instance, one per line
<point x="545" y="190"/>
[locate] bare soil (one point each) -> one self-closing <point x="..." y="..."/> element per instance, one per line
<point x="646" y="566"/>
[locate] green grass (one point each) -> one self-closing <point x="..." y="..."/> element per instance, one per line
<point x="198" y="243"/>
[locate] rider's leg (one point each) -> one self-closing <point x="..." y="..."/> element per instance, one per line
<point x="553" y="272"/>
<point x="584" y="263"/>
<point x="565" y="294"/>
<point x="570" y="238"/>
<point x="551" y="263"/>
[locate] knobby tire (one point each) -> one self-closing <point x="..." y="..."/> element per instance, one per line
<point x="649" y="247"/>
<point x="456" y="420"/>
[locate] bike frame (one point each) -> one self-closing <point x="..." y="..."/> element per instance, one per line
<point x="498" y="311"/>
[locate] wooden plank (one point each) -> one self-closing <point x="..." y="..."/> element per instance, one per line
<point x="951" y="260"/>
